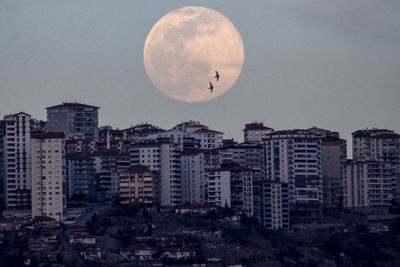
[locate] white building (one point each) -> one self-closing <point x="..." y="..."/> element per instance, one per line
<point x="294" y="157"/>
<point x="163" y="156"/>
<point x="274" y="204"/>
<point x="17" y="161"/>
<point x="231" y="186"/>
<point x="379" y="145"/>
<point x="194" y="166"/>
<point x="369" y="186"/>
<point x="48" y="175"/>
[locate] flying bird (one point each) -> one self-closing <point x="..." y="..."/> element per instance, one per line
<point x="211" y="87"/>
<point x="216" y="75"/>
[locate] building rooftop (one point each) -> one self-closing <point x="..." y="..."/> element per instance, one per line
<point x="370" y="132"/>
<point x="256" y="126"/>
<point x="205" y="130"/>
<point x="72" y="105"/>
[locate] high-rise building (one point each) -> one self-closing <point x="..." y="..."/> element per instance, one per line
<point x="379" y="145"/>
<point x="255" y="132"/>
<point x="17" y="161"/>
<point x="80" y="176"/>
<point x="108" y="165"/>
<point x="48" y="175"/>
<point x="139" y="186"/>
<point x="2" y="129"/>
<point x="163" y="156"/>
<point x="333" y="157"/>
<point x="294" y="157"/>
<point x="195" y="163"/>
<point x="74" y="119"/>
<point x="274" y="204"/>
<point x="369" y="186"/>
<point x="231" y="186"/>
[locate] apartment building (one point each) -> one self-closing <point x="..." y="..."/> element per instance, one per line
<point x="138" y="186"/>
<point x="255" y="132"/>
<point x="81" y="176"/>
<point x="195" y="163"/>
<point x="231" y="186"/>
<point x="17" y="161"/>
<point x="74" y="119"/>
<point x="108" y="166"/>
<point x="294" y="157"/>
<point x="369" y="186"/>
<point x="274" y="205"/>
<point x="163" y="156"/>
<point x="48" y="175"/>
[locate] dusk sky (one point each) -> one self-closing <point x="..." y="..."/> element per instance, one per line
<point x="332" y="64"/>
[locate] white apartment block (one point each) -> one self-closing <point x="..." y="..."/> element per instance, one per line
<point x="369" y="186"/>
<point x="17" y="161"/>
<point x="231" y="186"/>
<point x="294" y="157"/>
<point x="274" y="204"/>
<point x="48" y="175"/>
<point x="379" y="145"/>
<point x="194" y="166"/>
<point x="163" y="156"/>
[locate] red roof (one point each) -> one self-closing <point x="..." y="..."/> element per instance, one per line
<point x="47" y="135"/>
<point x="72" y="105"/>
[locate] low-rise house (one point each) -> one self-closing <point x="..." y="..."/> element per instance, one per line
<point x="45" y="222"/>
<point x="140" y="252"/>
<point x="91" y="254"/>
<point x="178" y="253"/>
<point x="195" y="208"/>
<point x="85" y="239"/>
<point x="6" y="225"/>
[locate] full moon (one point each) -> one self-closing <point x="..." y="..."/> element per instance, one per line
<point x="186" y="47"/>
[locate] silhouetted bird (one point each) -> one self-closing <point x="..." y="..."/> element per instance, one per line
<point x="216" y="75"/>
<point x="211" y="87"/>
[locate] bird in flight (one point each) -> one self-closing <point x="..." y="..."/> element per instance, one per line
<point x="211" y="87"/>
<point x="216" y="75"/>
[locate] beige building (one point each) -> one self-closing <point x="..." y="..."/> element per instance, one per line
<point x="48" y="175"/>
<point x="255" y="132"/>
<point x="138" y="186"/>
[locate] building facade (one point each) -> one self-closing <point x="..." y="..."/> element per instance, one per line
<point x="74" y="119"/>
<point x="195" y="163"/>
<point x="48" y="175"/>
<point x="369" y="186"/>
<point x="231" y="186"/>
<point x="163" y="156"/>
<point x="255" y="132"/>
<point x="274" y="204"/>
<point x="294" y="157"/>
<point x="17" y="161"/>
<point x="138" y="186"/>
<point x="80" y="176"/>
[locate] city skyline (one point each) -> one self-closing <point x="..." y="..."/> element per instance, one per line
<point x="332" y="65"/>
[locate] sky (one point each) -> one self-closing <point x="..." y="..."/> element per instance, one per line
<point x="332" y="64"/>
